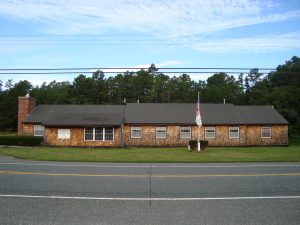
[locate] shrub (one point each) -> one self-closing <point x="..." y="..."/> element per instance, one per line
<point x="194" y="144"/>
<point x="20" y="140"/>
<point x="203" y="144"/>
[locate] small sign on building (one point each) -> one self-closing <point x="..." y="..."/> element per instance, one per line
<point x="63" y="133"/>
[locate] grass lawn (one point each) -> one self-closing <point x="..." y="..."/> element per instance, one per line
<point x="158" y="155"/>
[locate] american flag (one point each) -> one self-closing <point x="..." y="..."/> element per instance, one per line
<point x="198" y="116"/>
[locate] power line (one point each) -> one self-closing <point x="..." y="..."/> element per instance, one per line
<point x="114" y="72"/>
<point x="120" y="70"/>
<point x="139" y="68"/>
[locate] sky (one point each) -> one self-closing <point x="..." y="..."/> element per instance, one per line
<point x="136" y="33"/>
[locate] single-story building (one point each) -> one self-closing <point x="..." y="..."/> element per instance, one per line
<point x="151" y="124"/>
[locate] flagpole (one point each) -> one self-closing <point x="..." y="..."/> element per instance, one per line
<point x="198" y="126"/>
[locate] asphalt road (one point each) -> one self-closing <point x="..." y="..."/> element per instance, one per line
<point x="111" y="194"/>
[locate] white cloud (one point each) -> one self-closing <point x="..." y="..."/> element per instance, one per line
<point x="175" y="22"/>
<point x="266" y="43"/>
<point x="159" y="18"/>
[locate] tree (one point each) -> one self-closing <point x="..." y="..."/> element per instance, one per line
<point x="286" y="74"/>
<point x="152" y="69"/>
<point x="159" y="90"/>
<point x="84" y="90"/>
<point x="9" y="103"/>
<point x="254" y="76"/>
<point x="259" y="94"/>
<point x="9" y="84"/>
<point x="222" y="86"/>
<point x="284" y="87"/>
<point x="184" y="89"/>
<point x="143" y="83"/>
<point x="98" y="75"/>
<point x="53" y="93"/>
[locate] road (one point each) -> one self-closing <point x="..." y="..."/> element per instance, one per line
<point x="111" y="194"/>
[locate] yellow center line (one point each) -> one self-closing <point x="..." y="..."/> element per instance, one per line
<point x="8" y="172"/>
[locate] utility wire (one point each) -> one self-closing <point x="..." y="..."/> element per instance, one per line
<point x="120" y="70"/>
<point x="140" y="68"/>
<point x="116" y="70"/>
<point x="167" y="72"/>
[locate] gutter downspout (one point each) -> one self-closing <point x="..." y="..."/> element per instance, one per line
<point x="122" y="128"/>
<point x="121" y="135"/>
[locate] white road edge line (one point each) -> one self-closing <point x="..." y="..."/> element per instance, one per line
<point x="152" y="199"/>
<point x="147" y="166"/>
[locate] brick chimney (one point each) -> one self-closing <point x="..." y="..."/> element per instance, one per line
<point x="25" y="106"/>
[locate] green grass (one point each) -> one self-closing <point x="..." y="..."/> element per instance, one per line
<point x="158" y="155"/>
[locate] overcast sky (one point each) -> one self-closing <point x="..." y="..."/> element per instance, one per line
<point x="135" y="33"/>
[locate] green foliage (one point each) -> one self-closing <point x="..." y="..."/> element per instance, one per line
<point x="193" y="144"/>
<point x="203" y="144"/>
<point x="222" y="86"/>
<point x="9" y="103"/>
<point x="295" y="141"/>
<point x="280" y="88"/>
<point x="20" y="140"/>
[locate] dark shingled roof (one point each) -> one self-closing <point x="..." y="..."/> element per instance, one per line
<point x="153" y="113"/>
<point x="261" y="114"/>
<point x="77" y="115"/>
<point x="181" y="113"/>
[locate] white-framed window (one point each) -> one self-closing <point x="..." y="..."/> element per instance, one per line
<point x="38" y="130"/>
<point x="136" y="132"/>
<point x="99" y="134"/>
<point x="63" y="133"/>
<point x="185" y="132"/>
<point x="234" y="132"/>
<point x="210" y="132"/>
<point x="161" y="132"/>
<point x="109" y="134"/>
<point x="266" y="132"/>
<point x="88" y="134"/>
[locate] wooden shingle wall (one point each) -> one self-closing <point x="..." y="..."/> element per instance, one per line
<point x="248" y="136"/>
<point x="279" y="136"/>
<point x="27" y="129"/>
<point x="77" y="138"/>
<point x="149" y="136"/>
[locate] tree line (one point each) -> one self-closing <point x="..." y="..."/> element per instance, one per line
<point x="280" y="88"/>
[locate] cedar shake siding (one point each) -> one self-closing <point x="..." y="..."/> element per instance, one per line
<point x="152" y="124"/>
<point x="248" y="136"/>
<point x="222" y="137"/>
<point x="28" y="129"/>
<point x="77" y="138"/>
<point x="149" y="136"/>
<point x="279" y="136"/>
